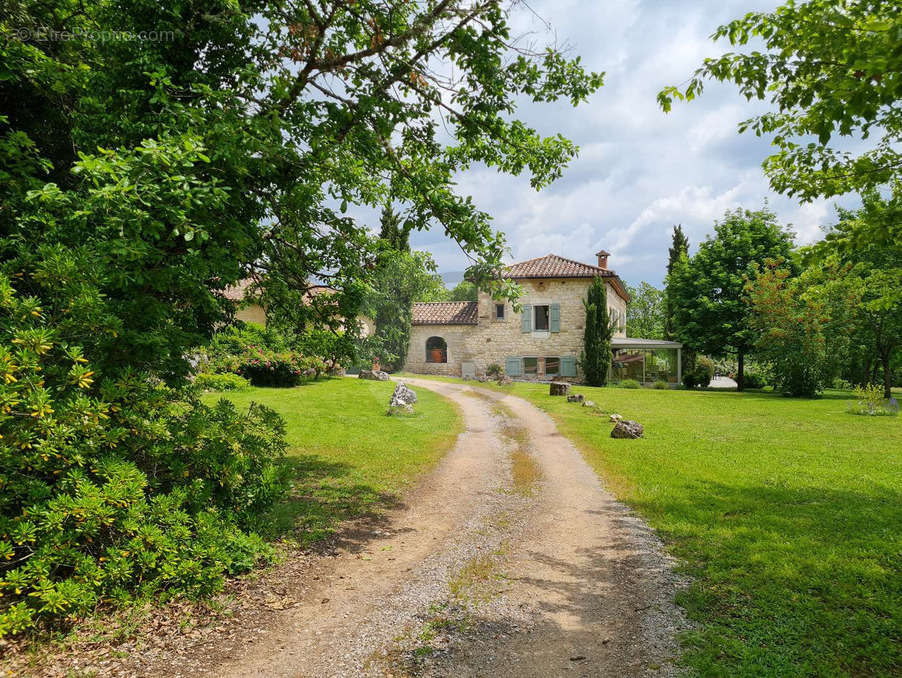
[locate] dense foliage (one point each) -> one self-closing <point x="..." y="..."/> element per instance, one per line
<point x="832" y="69"/>
<point x="114" y="484"/>
<point x="596" y="356"/>
<point x="399" y="277"/>
<point x="707" y="291"/>
<point x="699" y="374"/>
<point x="463" y="291"/>
<point x="870" y="272"/>
<point x="789" y="326"/>
<point x="209" y="381"/>
<point x="260" y="356"/>
<point x="646" y="314"/>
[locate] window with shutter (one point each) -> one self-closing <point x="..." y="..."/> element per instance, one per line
<point x="526" y="318"/>
<point x="555" y="318"/>
<point x="568" y="366"/>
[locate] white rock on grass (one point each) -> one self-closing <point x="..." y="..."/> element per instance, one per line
<point x="402" y="399"/>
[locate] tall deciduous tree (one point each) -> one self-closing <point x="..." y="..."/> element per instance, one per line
<point x="646" y="314"/>
<point x="596" y="355"/>
<point x="831" y="69"/>
<point x="299" y="111"/>
<point x="711" y="309"/>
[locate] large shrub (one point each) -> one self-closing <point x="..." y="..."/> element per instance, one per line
<point x="260" y="356"/>
<point x="701" y="375"/>
<point x="267" y="368"/>
<point x="112" y="486"/>
<point x="234" y="340"/>
<point x="790" y="322"/>
<point x="208" y="381"/>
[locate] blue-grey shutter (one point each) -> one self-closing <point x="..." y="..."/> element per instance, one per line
<point x="555" y="323"/>
<point x="568" y="366"/>
<point x="513" y="367"/>
<point x="526" y="319"/>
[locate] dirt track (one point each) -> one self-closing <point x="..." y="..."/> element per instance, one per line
<point x="509" y="559"/>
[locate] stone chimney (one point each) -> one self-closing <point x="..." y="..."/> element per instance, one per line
<point x="602" y="259"/>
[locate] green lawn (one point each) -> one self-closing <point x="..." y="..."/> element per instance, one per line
<point x="348" y="458"/>
<point x="787" y="512"/>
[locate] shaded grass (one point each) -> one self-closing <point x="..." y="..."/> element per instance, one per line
<point x="348" y="458"/>
<point x="786" y="512"/>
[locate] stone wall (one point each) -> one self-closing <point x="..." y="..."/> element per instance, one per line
<point x="492" y="341"/>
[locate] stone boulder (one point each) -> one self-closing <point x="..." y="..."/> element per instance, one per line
<point x="505" y="380"/>
<point x="627" y="429"/>
<point x="402" y="399"/>
<point x="559" y="388"/>
<point x="616" y="417"/>
<point x="588" y="403"/>
<point x="374" y="375"/>
<point x="577" y="398"/>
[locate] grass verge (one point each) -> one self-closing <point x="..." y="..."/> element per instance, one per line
<point x="787" y="513"/>
<point x="348" y="458"/>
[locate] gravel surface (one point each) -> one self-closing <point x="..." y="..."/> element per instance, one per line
<point x="509" y="559"/>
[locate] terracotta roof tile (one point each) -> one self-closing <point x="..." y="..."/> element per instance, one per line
<point x="445" y="313"/>
<point x="553" y="266"/>
<point x="239" y="290"/>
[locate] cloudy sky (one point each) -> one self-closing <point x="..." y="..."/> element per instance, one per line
<point x="639" y="170"/>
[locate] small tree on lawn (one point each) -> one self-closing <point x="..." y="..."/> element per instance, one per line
<point x="596" y="357"/>
<point x="790" y="326"/>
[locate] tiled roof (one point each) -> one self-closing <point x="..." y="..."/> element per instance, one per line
<point x="445" y="313"/>
<point x="239" y="290"/>
<point x="248" y="287"/>
<point x="553" y="266"/>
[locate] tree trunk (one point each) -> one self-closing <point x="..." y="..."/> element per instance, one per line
<point x="887" y="376"/>
<point x="740" y="373"/>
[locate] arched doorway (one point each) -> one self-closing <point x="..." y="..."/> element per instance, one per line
<point x="436" y="350"/>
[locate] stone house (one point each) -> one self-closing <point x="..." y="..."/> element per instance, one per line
<point x="542" y="341"/>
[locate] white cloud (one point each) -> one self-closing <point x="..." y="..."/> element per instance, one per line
<point x="639" y="171"/>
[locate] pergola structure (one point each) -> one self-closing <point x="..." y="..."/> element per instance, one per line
<point x="647" y="360"/>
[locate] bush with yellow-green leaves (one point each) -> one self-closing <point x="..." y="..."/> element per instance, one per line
<point x="112" y="488"/>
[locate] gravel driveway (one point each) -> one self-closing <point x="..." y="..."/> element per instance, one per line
<point x="509" y="559"/>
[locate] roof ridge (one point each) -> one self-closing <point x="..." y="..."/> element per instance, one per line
<point x="526" y="261"/>
<point x="451" y="301"/>
<point x="580" y="263"/>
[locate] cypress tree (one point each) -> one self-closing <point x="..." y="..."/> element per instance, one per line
<point x="596" y="357"/>
<point x="679" y="249"/>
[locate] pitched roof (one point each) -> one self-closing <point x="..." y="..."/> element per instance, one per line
<point x="247" y="289"/>
<point x="445" y="313"/>
<point x="553" y="266"/>
<point x="239" y="290"/>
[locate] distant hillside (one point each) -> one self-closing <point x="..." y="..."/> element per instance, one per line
<point x="451" y="278"/>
